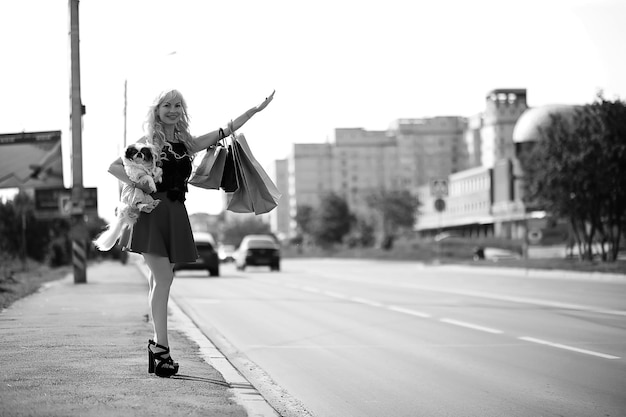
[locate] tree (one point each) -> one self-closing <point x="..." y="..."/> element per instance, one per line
<point x="577" y="171"/>
<point x="236" y="230"/>
<point x="304" y="219"/>
<point x="331" y="221"/>
<point x="363" y="232"/>
<point x="21" y="233"/>
<point x="397" y="210"/>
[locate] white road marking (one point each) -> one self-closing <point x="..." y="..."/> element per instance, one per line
<point x="573" y="349"/>
<point x="471" y="326"/>
<point x="366" y="301"/>
<point x="488" y="295"/>
<point x="466" y="324"/>
<point x="335" y="294"/>
<point x="409" y="312"/>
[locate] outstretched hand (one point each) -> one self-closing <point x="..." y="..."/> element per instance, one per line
<point x="265" y="102"/>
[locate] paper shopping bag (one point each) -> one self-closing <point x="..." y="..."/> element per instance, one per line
<point x="240" y="201"/>
<point x="229" y="178"/>
<point x="256" y="193"/>
<point x="209" y="173"/>
<point x="256" y="166"/>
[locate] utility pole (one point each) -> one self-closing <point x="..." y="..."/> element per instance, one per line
<point x="79" y="232"/>
<point x="125" y="110"/>
<point x="120" y="184"/>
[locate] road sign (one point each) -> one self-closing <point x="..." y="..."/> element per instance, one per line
<point x="440" y="204"/>
<point x="439" y="187"/>
<point x="57" y="202"/>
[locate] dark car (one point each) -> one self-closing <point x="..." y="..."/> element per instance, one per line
<point x="208" y="258"/>
<point x="258" y="250"/>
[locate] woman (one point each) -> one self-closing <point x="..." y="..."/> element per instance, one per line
<point x="164" y="235"/>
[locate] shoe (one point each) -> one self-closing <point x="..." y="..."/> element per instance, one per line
<point x="160" y="363"/>
<point x="151" y="342"/>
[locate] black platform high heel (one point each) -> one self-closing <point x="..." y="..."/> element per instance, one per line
<point x="161" y="363"/>
<point x="151" y="342"/>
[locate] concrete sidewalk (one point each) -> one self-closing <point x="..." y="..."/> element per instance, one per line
<point x="81" y="350"/>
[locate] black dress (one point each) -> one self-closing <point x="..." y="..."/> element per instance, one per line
<point x="166" y="230"/>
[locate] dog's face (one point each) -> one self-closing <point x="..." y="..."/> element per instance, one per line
<point x="139" y="153"/>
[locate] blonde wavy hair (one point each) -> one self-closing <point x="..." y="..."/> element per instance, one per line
<point x="153" y="127"/>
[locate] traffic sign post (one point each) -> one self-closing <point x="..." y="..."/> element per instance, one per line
<point x="440" y="205"/>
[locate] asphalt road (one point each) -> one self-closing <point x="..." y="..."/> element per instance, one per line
<point x="370" y="338"/>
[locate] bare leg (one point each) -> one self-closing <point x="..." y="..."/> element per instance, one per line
<point x="150" y="290"/>
<point x="162" y="277"/>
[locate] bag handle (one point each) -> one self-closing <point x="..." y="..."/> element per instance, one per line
<point x="232" y="129"/>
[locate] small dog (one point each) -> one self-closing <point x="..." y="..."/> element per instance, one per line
<point x="139" y="161"/>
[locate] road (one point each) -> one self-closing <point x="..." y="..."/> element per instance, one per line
<point x="375" y="338"/>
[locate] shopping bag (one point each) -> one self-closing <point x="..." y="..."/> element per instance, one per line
<point x="256" y="192"/>
<point x="268" y="184"/>
<point x="240" y="202"/>
<point x="229" y="177"/>
<point x="209" y="173"/>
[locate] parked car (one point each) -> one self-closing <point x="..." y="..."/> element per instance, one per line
<point x="207" y="252"/>
<point x="258" y="250"/>
<point x="455" y="244"/>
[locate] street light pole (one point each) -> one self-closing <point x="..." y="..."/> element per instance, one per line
<point x="78" y="233"/>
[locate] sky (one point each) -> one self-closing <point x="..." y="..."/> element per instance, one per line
<point x="333" y="64"/>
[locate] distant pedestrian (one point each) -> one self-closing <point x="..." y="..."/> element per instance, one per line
<point x="164" y="236"/>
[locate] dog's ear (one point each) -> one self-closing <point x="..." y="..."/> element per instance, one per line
<point x="147" y="154"/>
<point x="131" y="151"/>
<point x="153" y="151"/>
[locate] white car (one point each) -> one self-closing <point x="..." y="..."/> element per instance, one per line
<point x="258" y="250"/>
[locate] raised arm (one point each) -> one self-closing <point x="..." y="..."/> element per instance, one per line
<point x="204" y="141"/>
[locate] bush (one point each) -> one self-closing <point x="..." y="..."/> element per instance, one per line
<point x="59" y="253"/>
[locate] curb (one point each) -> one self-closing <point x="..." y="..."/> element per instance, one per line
<point x="538" y="273"/>
<point x="244" y="392"/>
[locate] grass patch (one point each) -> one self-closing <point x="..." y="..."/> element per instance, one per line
<point x="18" y="281"/>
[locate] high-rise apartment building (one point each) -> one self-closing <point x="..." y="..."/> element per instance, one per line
<point x="410" y="153"/>
<point x="280" y="220"/>
<point x="430" y="148"/>
<point x="363" y="161"/>
<point x="473" y="142"/>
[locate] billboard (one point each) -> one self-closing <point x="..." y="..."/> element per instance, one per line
<point x="31" y="160"/>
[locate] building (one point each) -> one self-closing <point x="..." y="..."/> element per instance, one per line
<point x="410" y="153"/>
<point x="363" y="162"/>
<point x="503" y="107"/>
<point x="280" y="220"/>
<point x="477" y="157"/>
<point x="488" y="200"/>
<point x="467" y="205"/>
<point x="429" y="148"/>
<point x="485" y="198"/>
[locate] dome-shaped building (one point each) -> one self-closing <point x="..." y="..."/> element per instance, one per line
<point x="516" y="219"/>
<point x="487" y="199"/>
<point x="532" y="121"/>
